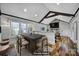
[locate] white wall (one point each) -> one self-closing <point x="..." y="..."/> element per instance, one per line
<point x="5" y="27"/>
<point x="78" y="36"/>
<point x="38" y="27"/>
<point x="76" y="19"/>
<point x="78" y="31"/>
<point x="65" y="29"/>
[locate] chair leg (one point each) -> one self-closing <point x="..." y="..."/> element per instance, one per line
<point x="20" y="46"/>
<point x="20" y="50"/>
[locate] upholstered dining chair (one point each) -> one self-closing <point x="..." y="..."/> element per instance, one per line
<point x="21" y="42"/>
<point x="4" y="49"/>
<point x="42" y="47"/>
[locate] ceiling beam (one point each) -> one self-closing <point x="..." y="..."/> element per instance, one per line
<point x="74" y="14"/>
<point x="21" y="18"/>
<point x="51" y="15"/>
<point x="60" y="13"/>
<point x="17" y="17"/>
<point x="56" y="13"/>
<point x="44" y="17"/>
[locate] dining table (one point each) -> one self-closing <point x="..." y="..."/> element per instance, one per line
<point x="33" y="40"/>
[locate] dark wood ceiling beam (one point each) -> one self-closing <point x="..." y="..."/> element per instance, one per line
<point x="21" y="18"/>
<point x="17" y="17"/>
<point x="60" y="13"/>
<point x="56" y="13"/>
<point x="74" y="14"/>
<point x="51" y="15"/>
<point x="76" y="11"/>
<point x="44" y="17"/>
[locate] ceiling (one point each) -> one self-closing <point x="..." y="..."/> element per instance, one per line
<point x="63" y="7"/>
<point x="36" y="11"/>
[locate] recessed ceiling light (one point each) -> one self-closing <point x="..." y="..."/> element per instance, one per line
<point x="25" y="10"/>
<point x="36" y="15"/>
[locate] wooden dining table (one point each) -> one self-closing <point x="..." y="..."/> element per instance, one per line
<point x="33" y="40"/>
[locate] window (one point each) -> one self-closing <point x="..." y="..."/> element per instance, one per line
<point x="14" y="28"/>
<point x="23" y="28"/>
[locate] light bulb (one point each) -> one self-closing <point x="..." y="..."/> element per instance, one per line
<point x="36" y="15"/>
<point x="25" y="10"/>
